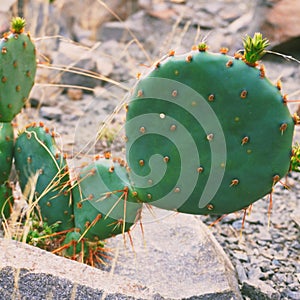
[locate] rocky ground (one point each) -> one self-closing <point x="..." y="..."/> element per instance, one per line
<point x="266" y="255"/>
<point x="266" y="252"/>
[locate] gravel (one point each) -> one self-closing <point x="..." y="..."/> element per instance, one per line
<point x="265" y="255"/>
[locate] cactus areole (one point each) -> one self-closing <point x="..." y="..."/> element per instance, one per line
<point x="207" y="133"/>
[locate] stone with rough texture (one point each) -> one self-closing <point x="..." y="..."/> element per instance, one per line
<point x="51" y="113"/>
<point x="296" y="216"/>
<point x="181" y="259"/>
<point x="178" y="256"/>
<point x="281" y="22"/>
<point x="93" y="13"/>
<point x="31" y="273"/>
<point x="258" y="290"/>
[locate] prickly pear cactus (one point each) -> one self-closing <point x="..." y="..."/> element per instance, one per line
<point x="17" y="70"/>
<point x="6" y="150"/>
<point x="43" y="175"/>
<point x="104" y="202"/>
<point x="207" y="133"/>
<point x="6" y="200"/>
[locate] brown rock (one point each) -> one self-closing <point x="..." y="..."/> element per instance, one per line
<point x="75" y="94"/>
<point x="281" y="22"/>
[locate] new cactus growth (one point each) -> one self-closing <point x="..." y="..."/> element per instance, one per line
<point x="6" y="150"/>
<point x="254" y="48"/>
<point x="42" y="169"/>
<point x="104" y="202"/>
<point x="72" y="246"/>
<point x="208" y="133"/>
<point x="17" y="70"/>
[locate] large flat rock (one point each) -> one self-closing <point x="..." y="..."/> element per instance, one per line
<point x="28" y="272"/>
<point x="176" y="258"/>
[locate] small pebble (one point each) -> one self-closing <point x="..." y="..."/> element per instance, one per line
<point x="75" y="94"/>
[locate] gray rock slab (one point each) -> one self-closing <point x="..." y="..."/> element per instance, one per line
<point x="176" y="257"/>
<point x="121" y="31"/>
<point x="179" y="257"/>
<point x="28" y="272"/>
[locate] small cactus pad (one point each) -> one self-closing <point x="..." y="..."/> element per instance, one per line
<point x="17" y="70"/>
<point x="73" y="247"/>
<point x="104" y="203"/>
<point x="6" y="150"/>
<point x="42" y="168"/>
<point x="206" y="134"/>
<point x="6" y="200"/>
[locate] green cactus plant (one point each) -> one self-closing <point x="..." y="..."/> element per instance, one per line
<point x="42" y="168"/>
<point x="104" y="202"/>
<point x="6" y="150"/>
<point x="17" y="70"/>
<point x="208" y="133"/>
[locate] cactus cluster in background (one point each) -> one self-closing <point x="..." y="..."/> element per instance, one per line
<point x="17" y="73"/>
<point x="206" y="133"/>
